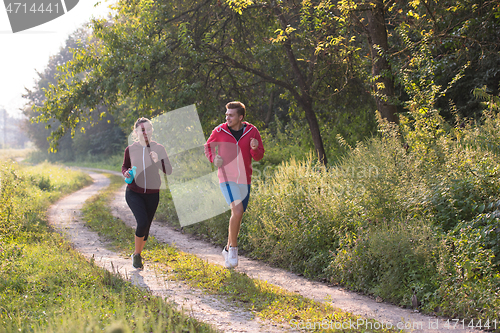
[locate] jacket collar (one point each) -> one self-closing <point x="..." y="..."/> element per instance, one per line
<point x="225" y="127"/>
<point x="137" y="144"/>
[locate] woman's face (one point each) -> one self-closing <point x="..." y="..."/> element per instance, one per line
<point x="144" y="128"/>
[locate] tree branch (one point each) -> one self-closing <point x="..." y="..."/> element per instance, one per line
<point x="264" y="76"/>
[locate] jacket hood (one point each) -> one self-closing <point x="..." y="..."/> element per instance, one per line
<point x="225" y="127"/>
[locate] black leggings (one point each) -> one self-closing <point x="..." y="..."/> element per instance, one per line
<point x="144" y="208"/>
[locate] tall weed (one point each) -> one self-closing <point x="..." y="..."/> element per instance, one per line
<point x="390" y="259"/>
<point x="398" y="215"/>
<point x="285" y="223"/>
<point x="379" y="220"/>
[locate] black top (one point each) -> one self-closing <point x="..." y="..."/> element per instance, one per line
<point x="237" y="134"/>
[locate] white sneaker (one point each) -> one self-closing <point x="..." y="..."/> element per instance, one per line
<point x="225" y="255"/>
<point x="233" y="256"/>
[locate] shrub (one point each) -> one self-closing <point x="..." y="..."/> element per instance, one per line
<point x="389" y="259"/>
<point x="290" y="220"/>
<point x="468" y="279"/>
<point x="383" y="218"/>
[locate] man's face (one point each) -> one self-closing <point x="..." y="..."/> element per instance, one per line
<point x="233" y="118"/>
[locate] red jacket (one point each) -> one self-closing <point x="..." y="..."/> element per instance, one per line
<point x="237" y="155"/>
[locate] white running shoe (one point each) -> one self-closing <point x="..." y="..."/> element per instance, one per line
<point x="233" y="257"/>
<point x="225" y="255"/>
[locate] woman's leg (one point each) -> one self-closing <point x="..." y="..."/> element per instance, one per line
<point x="152" y="201"/>
<point x="138" y="206"/>
<point x="139" y="244"/>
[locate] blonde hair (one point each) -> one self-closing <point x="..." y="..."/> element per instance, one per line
<point x="138" y="123"/>
<point x="142" y="120"/>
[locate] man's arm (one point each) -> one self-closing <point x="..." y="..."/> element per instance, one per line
<point x="256" y="146"/>
<point x="210" y="147"/>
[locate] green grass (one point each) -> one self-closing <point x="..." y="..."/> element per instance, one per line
<point x="14" y="153"/>
<point x="112" y="163"/>
<point x="46" y="286"/>
<point x="409" y="211"/>
<point x="42" y="284"/>
<point x="265" y="300"/>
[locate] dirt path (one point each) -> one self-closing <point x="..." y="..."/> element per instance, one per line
<point x="65" y="217"/>
<point x="211" y="309"/>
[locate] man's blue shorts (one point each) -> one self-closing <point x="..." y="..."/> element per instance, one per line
<point x="233" y="192"/>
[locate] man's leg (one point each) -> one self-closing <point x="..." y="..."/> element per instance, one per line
<point x="233" y="195"/>
<point x="235" y="223"/>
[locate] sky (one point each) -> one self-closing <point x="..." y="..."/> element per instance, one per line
<point x="24" y="53"/>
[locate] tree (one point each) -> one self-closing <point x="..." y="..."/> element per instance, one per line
<point x="89" y="138"/>
<point x="165" y="53"/>
<point x="39" y="131"/>
<point x="465" y="35"/>
<point x="377" y="39"/>
<point x="458" y="38"/>
<point x="341" y="18"/>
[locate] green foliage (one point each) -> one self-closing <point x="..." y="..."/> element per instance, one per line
<point x="468" y="276"/>
<point x="470" y="36"/>
<point x="492" y="103"/>
<point x="198" y="53"/>
<point x="288" y="139"/>
<point x="265" y="300"/>
<point x="43" y="280"/>
<point x="283" y="142"/>
<point x="97" y="134"/>
<point x="288" y="222"/>
<point x="382" y="220"/>
<point x="389" y="259"/>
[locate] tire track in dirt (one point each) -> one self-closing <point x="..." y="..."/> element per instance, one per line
<point x="66" y="218"/>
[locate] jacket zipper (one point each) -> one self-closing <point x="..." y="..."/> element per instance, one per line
<point x="237" y="151"/>
<point x="144" y="167"/>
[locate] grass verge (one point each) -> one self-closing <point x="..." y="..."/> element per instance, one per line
<point x="46" y="286"/>
<point x="13" y="154"/>
<point x="265" y="300"/>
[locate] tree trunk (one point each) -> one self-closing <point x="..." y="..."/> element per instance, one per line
<point x="377" y="39"/>
<point x="312" y="120"/>
<point x="269" y="109"/>
<point x="304" y="98"/>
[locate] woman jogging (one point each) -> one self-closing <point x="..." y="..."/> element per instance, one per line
<point x="143" y="193"/>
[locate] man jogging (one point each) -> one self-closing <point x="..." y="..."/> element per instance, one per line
<point x="231" y="147"/>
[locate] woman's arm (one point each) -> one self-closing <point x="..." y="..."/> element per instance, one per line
<point x="127" y="164"/>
